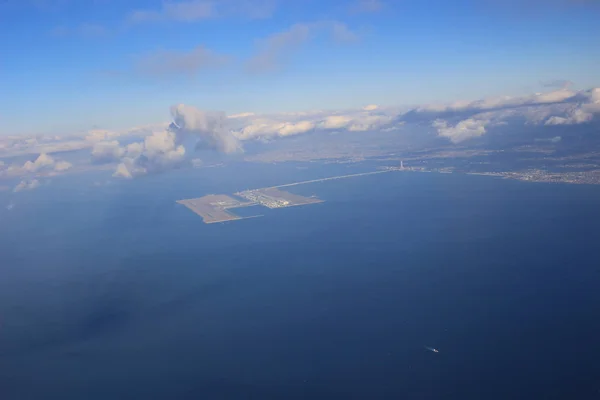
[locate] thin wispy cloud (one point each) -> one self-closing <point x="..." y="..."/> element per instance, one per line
<point x="185" y="11"/>
<point x="171" y="63"/>
<point x="90" y="30"/>
<point x="276" y="50"/>
<point x="366" y="6"/>
<point x="536" y="8"/>
<point x="557" y="83"/>
<point x="198" y="10"/>
<point x="27" y="185"/>
<point x="342" y="34"/>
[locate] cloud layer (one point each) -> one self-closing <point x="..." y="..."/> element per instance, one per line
<point x="42" y="165"/>
<point x="144" y="150"/>
<point x="163" y="150"/>
<point x="157" y="153"/>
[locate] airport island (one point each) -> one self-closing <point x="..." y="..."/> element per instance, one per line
<point x="215" y="208"/>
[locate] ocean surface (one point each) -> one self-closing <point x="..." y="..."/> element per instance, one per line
<point x="112" y="291"/>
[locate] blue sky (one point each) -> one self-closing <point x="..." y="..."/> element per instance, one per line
<point x="73" y="65"/>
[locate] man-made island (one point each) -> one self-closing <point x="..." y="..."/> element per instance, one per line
<point x="217" y="208"/>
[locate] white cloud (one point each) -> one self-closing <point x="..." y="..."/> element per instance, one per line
<point x="288" y="124"/>
<point x="491" y="103"/>
<point x="107" y="151"/>
<point x="558" y="107"/>
<point x="27" y="185"/>
<point x="158" y="152"/>
<point x="122" y="171"/>
<point x="62" y="166"/>
<point x="100" y="135"/>
<point x="161" y="147"/>
<point x="43" y="164"/>
<point x="209" y="127"/>
<point x="467" y="129"/>
<point x="134" y="150"/>
<point x="164" y="149"/>
<point x="369" y="122"/>
<point x="335" y="122"/>
<point x="288" y="129"/>
<point x="23" y="145"/>
<point x="577" y="116"/>
<point x="44" y="161"/>
<point x="241" y="115"/>
<point x="594" y="95"/>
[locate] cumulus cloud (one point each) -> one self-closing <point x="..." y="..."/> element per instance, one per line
<point x="209" y="126"/>
<point x="464" y="130"/>
<point x="577" y="116"/>
<point x="124" y="168"/>
<point x="158" y="152"/>
<point x="107" y="151"/>
<point x="44" y="161"/>
<point x="165" y="149"/>
<point x="287" y="124"/>
<point x="62" y="166"/>
<point x="559" y="107"/>
<point x="27" y="185"/>
<point x="43" y="164"/>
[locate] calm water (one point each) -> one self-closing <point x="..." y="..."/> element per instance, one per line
<point x="116" y="292"/>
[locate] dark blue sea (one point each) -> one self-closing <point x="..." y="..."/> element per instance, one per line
<point x="112" y="291"/>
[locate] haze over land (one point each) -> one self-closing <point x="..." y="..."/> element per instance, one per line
<point x="561" y="124"/>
